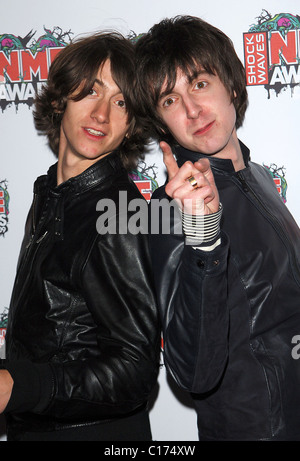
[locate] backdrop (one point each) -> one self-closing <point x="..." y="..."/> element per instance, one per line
<point x="266" y="34"/>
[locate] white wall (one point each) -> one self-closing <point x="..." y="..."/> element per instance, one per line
<point x="271" y="131"/>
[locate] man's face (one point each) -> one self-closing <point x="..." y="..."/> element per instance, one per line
<point x="96" y="125"/>
<point x="199" y="114"/>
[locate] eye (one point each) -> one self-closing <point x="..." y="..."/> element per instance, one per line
<point x="200" y="85"/>
<point x="92" y="92"/>
<point x="121" y="103"/>
<point x="168" y="102"/>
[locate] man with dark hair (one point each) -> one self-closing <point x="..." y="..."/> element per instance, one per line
<point x="83" y="338"/>
<point x="229" y="286"/>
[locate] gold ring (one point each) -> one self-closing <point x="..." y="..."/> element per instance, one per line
<point x="192" y="181"/>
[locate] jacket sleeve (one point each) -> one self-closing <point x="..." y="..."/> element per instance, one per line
<point x="191" y="286"/>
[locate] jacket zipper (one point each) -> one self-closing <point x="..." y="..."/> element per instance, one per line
<point x="243" y="181"/>
<point x="33" y="214"/>
<point x="33" y="226"/>
<point x="248" y="189"/>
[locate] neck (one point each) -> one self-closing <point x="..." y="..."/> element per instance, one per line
<point x="70" y="165"/>
<point x="233" y="152"/>
<point x="237" y="159"/>
<point x="69" y="168"/>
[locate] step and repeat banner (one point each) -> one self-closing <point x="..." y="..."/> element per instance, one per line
<point x="266" y="34"/>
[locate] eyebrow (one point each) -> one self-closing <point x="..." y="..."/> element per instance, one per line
<point x="197" y="74"/>
<point x="164" y="94"/>
<point x="99" y="82"/>
<point x="190" y="79"/>
<point x="103" y="85"/>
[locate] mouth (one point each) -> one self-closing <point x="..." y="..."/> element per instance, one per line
<point x="204" y="129"/>
<point x="95" y="133"/>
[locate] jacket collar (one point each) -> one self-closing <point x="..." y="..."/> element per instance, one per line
<point x="92" y="176"/>
<point x="226" y="165"/>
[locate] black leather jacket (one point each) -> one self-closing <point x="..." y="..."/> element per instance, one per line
<point x="230" y="315"/>
<point x="83" y="338"/>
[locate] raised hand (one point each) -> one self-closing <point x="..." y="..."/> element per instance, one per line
<point x="192" y="185"/>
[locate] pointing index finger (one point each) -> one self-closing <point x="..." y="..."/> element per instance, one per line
<point x="169" y="160"/>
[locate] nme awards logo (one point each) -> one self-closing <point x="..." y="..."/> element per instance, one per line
<point x="4" y="208"/>
<point x="25" y="62"/>
<point x="272" y="52"/>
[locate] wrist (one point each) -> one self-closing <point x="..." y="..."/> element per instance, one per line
<point x="202" y="230"/>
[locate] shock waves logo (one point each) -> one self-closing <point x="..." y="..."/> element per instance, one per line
<point x="4" y="208"/>
<point x="272" y="52"/>
<point x="25" y="62"/>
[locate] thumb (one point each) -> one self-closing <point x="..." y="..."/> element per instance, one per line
<point x="203" y="165"/>
<point x="169" y="160"/>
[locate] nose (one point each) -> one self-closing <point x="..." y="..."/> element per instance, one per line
<point x="192" y="107"/>
<point x="101" y="111"/>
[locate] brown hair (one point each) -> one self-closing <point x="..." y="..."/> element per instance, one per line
<point x="76" y="67"/>
<point x="186" y="43"/>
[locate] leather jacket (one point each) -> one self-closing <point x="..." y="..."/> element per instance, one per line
<point x="83" y="338"/>
<point x="230" y="315"/>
